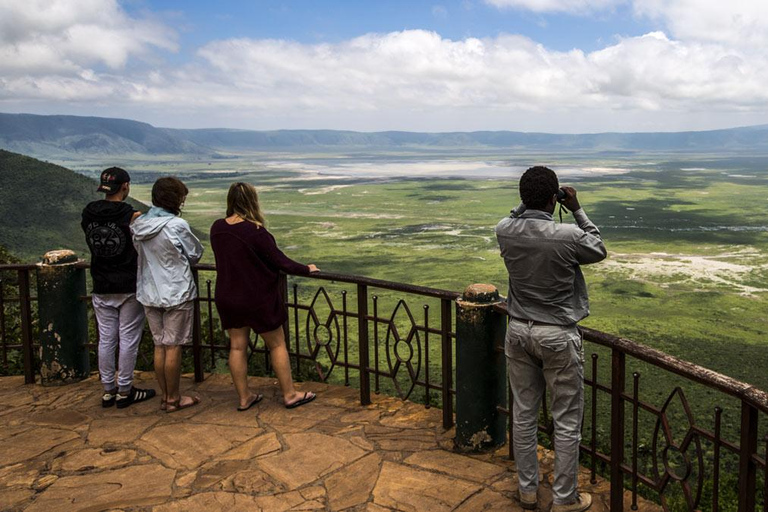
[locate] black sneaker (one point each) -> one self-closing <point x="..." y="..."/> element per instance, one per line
<point x="136" y="395"/>
<point x="108" y="398"/>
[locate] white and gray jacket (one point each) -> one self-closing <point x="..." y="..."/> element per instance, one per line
<point x="543" y="259"/>
<point x="167" y="249"/>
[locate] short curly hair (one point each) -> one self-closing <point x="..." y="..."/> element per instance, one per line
<point x="537" y="186"/>
<point x="169" y="193"/>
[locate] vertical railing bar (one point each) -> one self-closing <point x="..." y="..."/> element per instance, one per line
<point x="747" y="467"/>
<point x="210" y="324"/>
<point x="25" y="308"/>
<point x="593" y="440"/>
<point x="376" y="388"/>
<point x="362" y="340"/>
<point x="716" y="462"/>
<point x="765" y="477"/>
<point x="447" y="347"/>
<point x="346" y="336"/>
<point x="427" y="393"/>
<point x="296" y="327"/>
<point x="197" y="332"/>
<point x="635" y="410"/>
<point x="618" y="369"/>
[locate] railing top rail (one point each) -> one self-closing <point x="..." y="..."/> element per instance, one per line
<point x="376" y="283"/>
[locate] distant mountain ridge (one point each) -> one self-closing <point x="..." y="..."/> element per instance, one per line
<point x="45" y="136"/>
<point x="752" y="137"/>
<point x="51" y="135"/>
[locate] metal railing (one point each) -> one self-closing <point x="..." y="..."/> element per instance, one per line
<point x="361" y="331"/>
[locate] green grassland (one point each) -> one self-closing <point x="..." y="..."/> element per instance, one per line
<point x="701" y="219"/>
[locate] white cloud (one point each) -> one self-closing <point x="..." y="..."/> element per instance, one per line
<point x="420" y="70"/>
<point x="53" y="53"/>
<point x="739" y="23"/>
<point x="56" y="36"/>
<point x="568" y="6"/>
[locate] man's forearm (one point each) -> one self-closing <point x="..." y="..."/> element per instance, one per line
<point x="584" y="223"/>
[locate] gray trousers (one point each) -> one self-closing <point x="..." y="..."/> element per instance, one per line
<point x="551" y="357"/>
<point x="121" y="323"/>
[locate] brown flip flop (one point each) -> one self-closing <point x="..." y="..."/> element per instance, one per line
<point x="308" y="397"/>
<point x="175" y="405"/>
<point x="254" y="400"/>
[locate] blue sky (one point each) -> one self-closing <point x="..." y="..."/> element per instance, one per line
<point x="310" y="21"/>
<point x="528" y="65"/>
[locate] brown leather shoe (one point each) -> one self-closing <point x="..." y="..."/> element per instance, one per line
<point x="583" y="502"/>
<point x="528" y="500"/>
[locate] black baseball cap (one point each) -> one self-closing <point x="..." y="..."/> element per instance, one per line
<point x="112" y="179"/>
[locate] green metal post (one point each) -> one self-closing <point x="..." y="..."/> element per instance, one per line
<point x="63" y="319"/>
<point x="481" y="385"/>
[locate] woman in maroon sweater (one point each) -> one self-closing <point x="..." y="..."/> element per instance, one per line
<point x="248" y="265"/>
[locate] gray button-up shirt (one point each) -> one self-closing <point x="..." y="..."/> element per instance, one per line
<point x="543" y="259"/>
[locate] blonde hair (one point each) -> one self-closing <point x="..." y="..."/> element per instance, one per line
<point x="243" y="201"/>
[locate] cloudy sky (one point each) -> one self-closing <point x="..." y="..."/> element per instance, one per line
<point x="528" y="65"/>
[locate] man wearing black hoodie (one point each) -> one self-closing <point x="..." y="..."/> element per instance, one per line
<point x="119" y="315"/>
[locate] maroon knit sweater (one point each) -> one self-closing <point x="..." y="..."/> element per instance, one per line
<point x="248" y="265"/>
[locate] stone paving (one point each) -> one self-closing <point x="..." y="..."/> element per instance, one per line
<point x="61" y="451"/>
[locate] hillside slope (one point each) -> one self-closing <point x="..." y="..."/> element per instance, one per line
<point x="45" y="136"/>
<point x="40" y="206"/>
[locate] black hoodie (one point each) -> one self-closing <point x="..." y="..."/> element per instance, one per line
<point x="113" y="258"/>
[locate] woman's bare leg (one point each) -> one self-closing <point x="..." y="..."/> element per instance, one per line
<point x="238" y="363"/>
<point x="278" y="356"/>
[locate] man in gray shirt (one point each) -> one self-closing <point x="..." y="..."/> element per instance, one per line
<point x="547" y="297"/>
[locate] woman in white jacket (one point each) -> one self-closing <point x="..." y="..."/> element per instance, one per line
<point x="167" y="250"/>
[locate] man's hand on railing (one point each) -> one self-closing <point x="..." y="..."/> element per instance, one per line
<point x="313" y="268"/>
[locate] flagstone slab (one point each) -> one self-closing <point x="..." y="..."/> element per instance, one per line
<point x="11" y="498"/>
<point x="128" y="487"/>
<point x="489" y="501"/>
<point x="353" y="484"/>
<point x="215" y="472"/>
<point x="234" y="502"/>
<point x="308" y="457"/>
<point x="252" y="481"/>
<point x="412" y="440"/>
<point x="300" y="419"/>
<point x="22" y="474"/>
<point x="413" y="490"/>
<point x="31" y="443"/>
<point x="412" y="416"/>
<point x="226" y="413"/>
<point x="119" y="430"/>
<point x="455" y="465"/>
<point x="187" y="445"/>
<point x="58" y="418"/>
<point x="263" y="444"/>
<point x="93" y="458"/>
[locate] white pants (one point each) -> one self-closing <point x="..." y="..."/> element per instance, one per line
<point x="121" y="323"/>
<point x="551" y="357"/>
